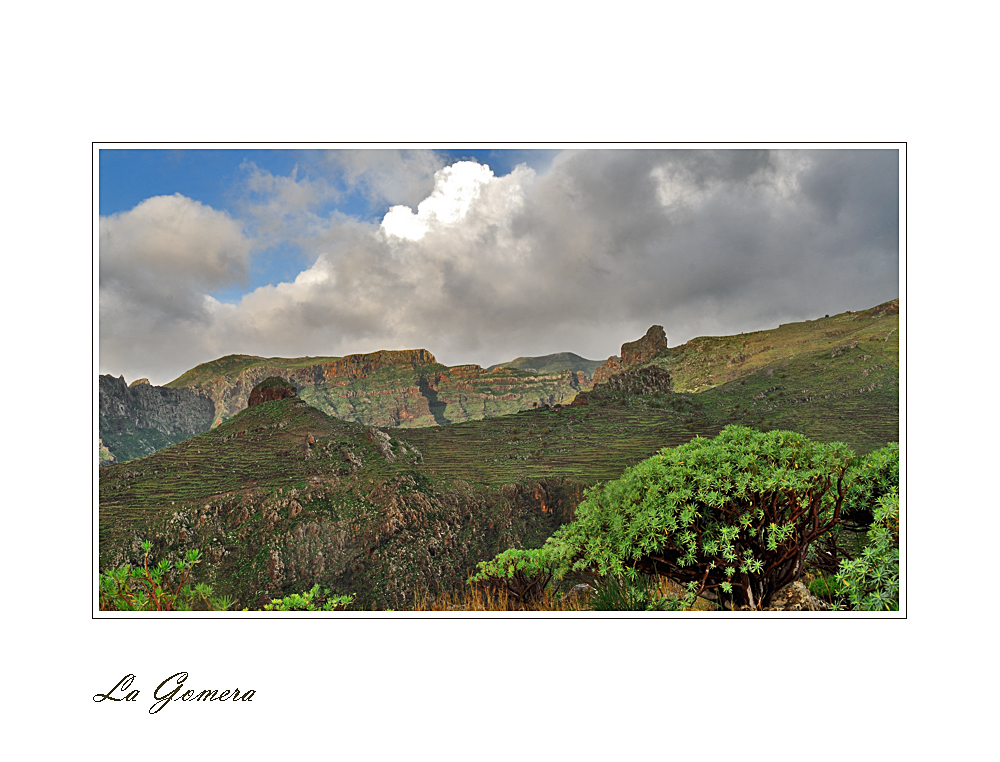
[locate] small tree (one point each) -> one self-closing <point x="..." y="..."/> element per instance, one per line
<point x="149" y="589"/>
<point x="522" y="574"/>
<point x="734" y="514"/>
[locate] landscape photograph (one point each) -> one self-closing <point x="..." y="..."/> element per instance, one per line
<point x="566" y="381"/>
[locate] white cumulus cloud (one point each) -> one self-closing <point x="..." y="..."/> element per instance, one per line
<point x="456" y="188"/>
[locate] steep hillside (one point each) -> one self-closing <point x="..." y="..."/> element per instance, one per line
<point x="405" y="388"/>
<point x="138" y="419"/>
<point x="282" y="497"/>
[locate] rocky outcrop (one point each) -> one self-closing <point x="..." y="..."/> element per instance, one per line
<point x="270" y="389"/>
<point x="645" y="349"/>
<point x="139" y="419"/>
<point x="634" y="353"/>
<point x="611" y="366"/>
<point x="651" y="380"/>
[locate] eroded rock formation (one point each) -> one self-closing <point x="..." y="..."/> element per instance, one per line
<point x="634" y="353"/>
<point x="270" y="389"/>
<point x="138" y="419"/>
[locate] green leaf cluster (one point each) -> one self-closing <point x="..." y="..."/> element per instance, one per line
<point x="871" y="581"/>
<point x="162" y="587"/>
<point x="735" y="513"/>
<point x="312" y="600"/>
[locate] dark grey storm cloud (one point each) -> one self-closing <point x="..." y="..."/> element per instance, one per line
<point x="480" y="268"/>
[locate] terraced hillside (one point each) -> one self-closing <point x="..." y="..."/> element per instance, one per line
<point x="406" y="388"/>
<point x="282" y="497"/>
<point x="586" y="444"/>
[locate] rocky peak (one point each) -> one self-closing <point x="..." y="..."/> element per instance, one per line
<point x="270" y="389"/>
<point x="645" y="349"/>
<point x="634" y="353"/>
<point x="139" y="381"/>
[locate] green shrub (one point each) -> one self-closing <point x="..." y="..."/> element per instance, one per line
<point x="310" y="601"/>
<point x="871" y="581"/>
<point x="150" y="589"/>
<point x="522" y="574"/>
<point x="735" y="513"/>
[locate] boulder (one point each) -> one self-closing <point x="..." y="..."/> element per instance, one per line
<point x="796" y="597"/>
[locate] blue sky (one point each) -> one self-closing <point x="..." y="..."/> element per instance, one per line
<point x="276" y="252"/>
<point x="217" y="176"/>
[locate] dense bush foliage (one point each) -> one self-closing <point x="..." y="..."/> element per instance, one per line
<point x="871" y="581"/>
<point x="522" y="574"/>
<point x="150" y="588"/>
<point x="871" y="479"/>
<point x="735" y="514"/>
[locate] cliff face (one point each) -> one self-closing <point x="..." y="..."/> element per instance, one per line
<point x="139" y="419"/>
<point x="389" y="388"/>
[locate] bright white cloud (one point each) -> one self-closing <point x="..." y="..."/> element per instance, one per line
<point x="456" y="188"/>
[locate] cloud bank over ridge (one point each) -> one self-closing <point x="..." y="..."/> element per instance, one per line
<point x="481" y="268"/>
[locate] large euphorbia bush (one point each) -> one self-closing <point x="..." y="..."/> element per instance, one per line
<point x="734" y="514"/>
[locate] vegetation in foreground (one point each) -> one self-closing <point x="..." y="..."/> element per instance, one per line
<point x="715" y="524"/>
